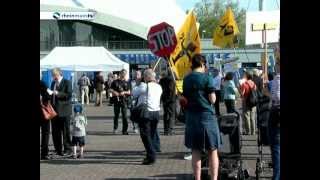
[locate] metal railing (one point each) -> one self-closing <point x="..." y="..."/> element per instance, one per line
<point x="49" y="45"/>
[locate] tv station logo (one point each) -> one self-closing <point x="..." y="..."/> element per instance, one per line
<point x="68" y="15"/>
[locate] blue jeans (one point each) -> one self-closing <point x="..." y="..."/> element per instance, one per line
<point x="274" y="131"/>
<point x="156" y="141"/>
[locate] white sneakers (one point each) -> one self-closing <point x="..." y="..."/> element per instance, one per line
<point x="187" y="156"/>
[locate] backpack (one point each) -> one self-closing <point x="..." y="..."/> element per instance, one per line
<point x="252" y="99"/>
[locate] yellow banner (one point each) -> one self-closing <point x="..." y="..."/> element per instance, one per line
<point x="179" y="85"/>
<point x="188" y="44"/>
<point x="226" y="31"/>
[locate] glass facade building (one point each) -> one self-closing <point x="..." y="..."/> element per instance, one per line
<point x="83" y="33"/>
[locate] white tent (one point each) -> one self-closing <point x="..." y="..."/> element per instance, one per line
<point x="82" y="58"/>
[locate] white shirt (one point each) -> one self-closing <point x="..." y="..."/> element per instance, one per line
<point x="79" y="123"/>
<point x="154" y="95"/>
<point x="217" y="82"/>
<point x="60" y="79"/>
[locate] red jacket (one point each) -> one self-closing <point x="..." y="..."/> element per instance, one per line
<point x="246" y="88"/>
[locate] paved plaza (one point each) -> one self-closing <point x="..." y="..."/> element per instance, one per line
<point x="117" y="157"/>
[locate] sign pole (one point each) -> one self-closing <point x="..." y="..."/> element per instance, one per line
<point x="174" y="78"/>
<point x="155" y="66"/>
<point x="264" y="58"/>
<point x="265" y="54"/>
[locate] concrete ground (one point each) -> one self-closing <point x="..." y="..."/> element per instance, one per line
<point x="119" y="157"/>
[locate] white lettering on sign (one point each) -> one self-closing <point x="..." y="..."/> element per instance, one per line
<point x="162" y="39"/>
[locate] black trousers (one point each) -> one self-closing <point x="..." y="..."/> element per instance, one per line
<point x="217" y="103"/>
<point x="61" y="133"/>
<point x="45" y="130"/>
<point x="230" y="105"/>
<point x="123" y="109"/>
<point x="169" y="109"/>
<point x="148" y="130"/>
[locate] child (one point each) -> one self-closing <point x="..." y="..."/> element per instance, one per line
<point x="78" y="122"/>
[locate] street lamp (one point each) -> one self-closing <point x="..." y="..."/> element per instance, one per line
<point x="203" y="31"/>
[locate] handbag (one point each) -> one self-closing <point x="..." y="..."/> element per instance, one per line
<point x="139" y="112"/>
<point x="48" y="111"/>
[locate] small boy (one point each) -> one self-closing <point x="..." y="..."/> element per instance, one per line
<point x="78" y="122"/>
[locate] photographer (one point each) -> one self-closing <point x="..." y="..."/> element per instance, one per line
<point x="120" y="90"/>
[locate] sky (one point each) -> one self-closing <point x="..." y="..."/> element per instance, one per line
<point x="253" y="6"/>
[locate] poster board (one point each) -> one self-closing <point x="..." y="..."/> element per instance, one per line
<point x="260" y="17"/>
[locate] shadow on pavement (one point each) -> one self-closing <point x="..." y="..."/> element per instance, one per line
<point x="112" y="157"/>
<point x="159" y="177"/>
<point x="116" y="153"/>
<point x="105" y="154"/>
<point x="105" y="133"/>
<point x="85" y="161"/>
<point x="109" y="133"/>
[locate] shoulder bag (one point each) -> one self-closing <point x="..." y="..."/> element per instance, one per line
<point x="140" y="112"/>
<point x="48" y="111"/>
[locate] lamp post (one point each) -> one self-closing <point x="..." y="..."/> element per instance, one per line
<point x="203" y="31"/>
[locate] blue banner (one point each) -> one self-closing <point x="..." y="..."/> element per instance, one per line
<point x="150" y="58"/>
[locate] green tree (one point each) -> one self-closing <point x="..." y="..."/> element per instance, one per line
<point x="209" y="13"/>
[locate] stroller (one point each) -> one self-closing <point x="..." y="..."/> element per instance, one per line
<point x="231" y="164"/>
<point x="263" y="114"/>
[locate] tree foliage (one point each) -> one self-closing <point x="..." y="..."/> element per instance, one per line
<point x="209" y="13"/>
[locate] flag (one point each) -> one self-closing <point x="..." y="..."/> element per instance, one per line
<point x="226" y="31"/>
<point x="188" y="44"/>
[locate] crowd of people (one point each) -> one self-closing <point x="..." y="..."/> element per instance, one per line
<point x="200" y="100"/>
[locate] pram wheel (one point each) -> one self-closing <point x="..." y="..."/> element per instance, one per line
<point x="258" y="169"/>
<point x="205" y="175"/>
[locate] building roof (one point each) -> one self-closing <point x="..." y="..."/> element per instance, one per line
<point x="135" y="17"/>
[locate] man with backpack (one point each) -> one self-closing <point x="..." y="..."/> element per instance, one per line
<point x="84" y="83"/>
<point x="248" y="91"/>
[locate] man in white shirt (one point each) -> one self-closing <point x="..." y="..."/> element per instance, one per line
<point x="217" y="86"/>
<point x="149" y="92"/>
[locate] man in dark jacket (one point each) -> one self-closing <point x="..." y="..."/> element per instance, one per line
<point x="257" y="80"/>
<point x="168" y="99"/>
<point x="120" y="90"/>
<point x="61" y="101"/>
<point x="99" y="88"/>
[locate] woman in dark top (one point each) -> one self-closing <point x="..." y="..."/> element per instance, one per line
<point x="202" y="131"/>
<point x="44" y="124"/>
<point x="91" y="90"/>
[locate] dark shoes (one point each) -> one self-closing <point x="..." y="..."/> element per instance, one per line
<point x="60" y="154"/>
<point x="67" y="153"/>
<point x="80" y="156"/>
<point x="125" y="133"/>
<point x="169" y="133"/>
<point x="45" y="158"/>
<point x="74" y="156"/>
<point x="147" y="161"/>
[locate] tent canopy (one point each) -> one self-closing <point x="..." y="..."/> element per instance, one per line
<point x="80" y="58"/>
